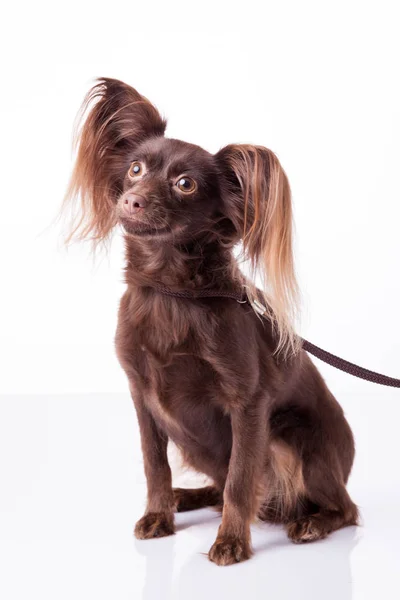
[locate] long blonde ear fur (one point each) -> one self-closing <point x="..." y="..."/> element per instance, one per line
<point x="263" y="212"/>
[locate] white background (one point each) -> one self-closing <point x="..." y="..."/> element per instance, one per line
<point x="318" y="83"/>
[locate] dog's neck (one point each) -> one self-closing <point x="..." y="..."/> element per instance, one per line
<point x="199" y="264"/>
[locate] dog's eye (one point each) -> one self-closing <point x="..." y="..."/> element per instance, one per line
<point x="186" y="184"/>
<point x="135" y="169"/>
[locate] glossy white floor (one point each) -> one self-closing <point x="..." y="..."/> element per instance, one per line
<point x="72" y="486"/>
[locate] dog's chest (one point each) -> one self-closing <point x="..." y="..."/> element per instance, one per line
<point x="181" y="395"/>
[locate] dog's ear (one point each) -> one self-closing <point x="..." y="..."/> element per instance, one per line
<point x="114" y="118"/>
<point x="257" y="200"/>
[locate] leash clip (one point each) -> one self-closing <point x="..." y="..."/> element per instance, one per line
<point x="258" y="307"/>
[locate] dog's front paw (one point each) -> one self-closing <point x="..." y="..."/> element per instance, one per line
<point x="229" y="550"/>
<point x="154" y="525"/>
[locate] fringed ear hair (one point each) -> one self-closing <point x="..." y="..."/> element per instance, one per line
<point x="114" y="118"/>
<point x="258" y="203"/>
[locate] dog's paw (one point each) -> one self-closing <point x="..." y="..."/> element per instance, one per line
<point x="308" y="529"/>
<point x="154" y="525"/>
<point x="228" y="551"/>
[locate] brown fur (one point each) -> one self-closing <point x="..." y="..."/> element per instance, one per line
<point x="194" y="498"/>
<point x="233" y="390"/>
<point x="284" y="487"/>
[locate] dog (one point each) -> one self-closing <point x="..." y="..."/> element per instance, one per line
<point x="231" y="387"/>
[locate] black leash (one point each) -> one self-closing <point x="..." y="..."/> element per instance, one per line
<point x="348" y="367"/>
<point x="327" y="357"/>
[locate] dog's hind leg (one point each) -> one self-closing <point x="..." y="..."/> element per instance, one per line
<point x="329" y="506"/>
<point x="193" y="498"/>
<point x="308" y="496"/>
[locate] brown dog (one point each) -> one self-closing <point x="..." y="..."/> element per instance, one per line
<point x="233" y="389"/>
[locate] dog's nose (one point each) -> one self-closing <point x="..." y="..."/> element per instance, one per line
<point x="133" y="203"/>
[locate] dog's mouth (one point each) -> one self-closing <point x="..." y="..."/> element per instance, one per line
<point x="136" y="227"/>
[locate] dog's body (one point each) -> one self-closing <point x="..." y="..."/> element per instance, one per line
<point x="206" y="373"/>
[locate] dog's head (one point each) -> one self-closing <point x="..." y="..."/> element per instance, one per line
<point x="171" y="191"/>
